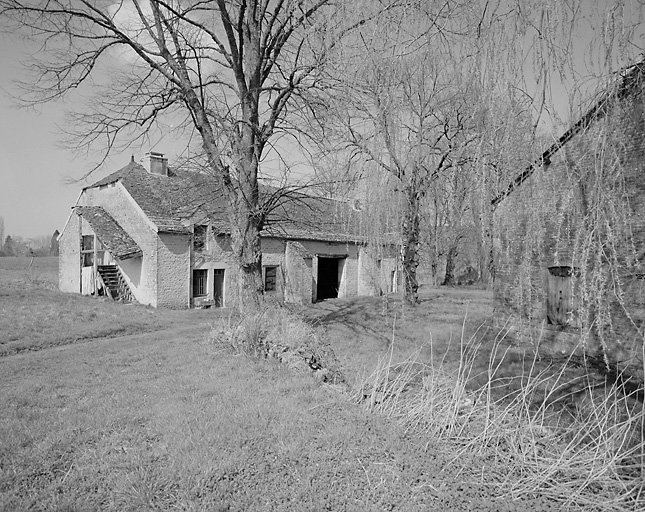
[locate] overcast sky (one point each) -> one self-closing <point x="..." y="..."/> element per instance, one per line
<point x="34" y="199"/>
<point x="35" y="171"/>
<point x="40" y="179"/>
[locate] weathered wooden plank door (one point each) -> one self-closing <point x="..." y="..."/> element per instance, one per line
<point x="559" y="296"/>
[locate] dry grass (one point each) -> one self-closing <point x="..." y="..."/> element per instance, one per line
<point x="592" y="459"/>
<point x="277" y="333"/>
<point x="361" y="330"/>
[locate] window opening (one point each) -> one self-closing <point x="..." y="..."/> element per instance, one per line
<point x="270" y="275"/>
<point x="200" y="278"/>
<point x="87" y="250"/>
<point x="199" y="238"/>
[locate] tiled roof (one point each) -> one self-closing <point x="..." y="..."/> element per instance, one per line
<point x="170" y="201"/>
<point x="109" y="232"/>
<point x="173" y="202"/>
<point x="303" y="217"/>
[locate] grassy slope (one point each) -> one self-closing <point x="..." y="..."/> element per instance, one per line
<point x="365" y="329"/>
<point x="163" y="421"/>
<point x="34" y="315"/>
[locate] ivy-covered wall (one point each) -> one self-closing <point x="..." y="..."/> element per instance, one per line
<point x="582" y="214"/>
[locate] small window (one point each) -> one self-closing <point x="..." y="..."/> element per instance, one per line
<point x="88" y="259"/>
<point x="87" y="250"/>
<point x="270" y="275"/>
<point x="200" y="278"/>
<point x="87" y="243"/>
<point x="199" y="238"/>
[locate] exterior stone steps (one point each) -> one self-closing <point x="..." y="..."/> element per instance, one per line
<point x="116" y="284"/>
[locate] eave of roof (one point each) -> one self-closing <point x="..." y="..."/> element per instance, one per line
<point x="172" y="204"/>
<point x="312" y="236"/>
<point x="114" y="238"/>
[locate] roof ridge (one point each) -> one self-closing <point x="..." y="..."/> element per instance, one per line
<point x="116" y="175"/>
<point x="617" y="88"/>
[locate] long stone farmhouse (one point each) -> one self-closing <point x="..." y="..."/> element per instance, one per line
<point x="159" y="236"/>
<point x="569" y="243"/>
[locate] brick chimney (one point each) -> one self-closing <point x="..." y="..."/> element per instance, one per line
<point x="155" y="163"/>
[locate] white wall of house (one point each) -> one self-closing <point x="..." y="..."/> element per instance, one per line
<point x="69" y="256"/>
<point x="173" y="270"/>
<point x="348" y="267"/>
<point x="141" y="275"/>
<point x="297" y="272"/>
<point x="88" y="273"/>
<point x="216" y="255"/>
<point x="375" y="272"/>
<point x="273" y="255"/>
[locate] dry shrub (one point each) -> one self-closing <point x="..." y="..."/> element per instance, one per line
<point x="279" y="333"/>
<point x="241" y="334"/>
<point x="591" y="456"/>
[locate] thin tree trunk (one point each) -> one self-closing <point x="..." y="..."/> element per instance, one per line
<point x="411" y="245"/>
<point x="451" y="257"/>
<point x="477" y="208"/>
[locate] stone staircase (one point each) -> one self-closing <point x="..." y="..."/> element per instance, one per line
<point x="116" y="286"/>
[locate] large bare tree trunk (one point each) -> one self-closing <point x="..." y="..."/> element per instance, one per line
<point x="483" y="224"/>
<point x="246" y="247"/>
<point x="248" y="218"/>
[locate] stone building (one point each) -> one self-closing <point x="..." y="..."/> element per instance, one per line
<point x="159" y="236"/>
<point x="569" y="241"/>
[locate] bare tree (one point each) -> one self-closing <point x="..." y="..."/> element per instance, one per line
<point x="233" y="72"/>
<point x="409" y="111"/>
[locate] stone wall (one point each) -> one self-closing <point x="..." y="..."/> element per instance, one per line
<point x="297" y="262"/>
<point x="216" y="255"/>
<point x="376" y="272"/>
<point x="173" y="271"/>
<point x="298" y="274"/>
<point x="584" y="209"/>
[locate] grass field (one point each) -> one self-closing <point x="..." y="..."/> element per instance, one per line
<point x="34" y="315"/>
<point x="362" y="330"/>
<point x="163" y="418"/>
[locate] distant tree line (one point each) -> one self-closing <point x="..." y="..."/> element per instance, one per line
<point x="18" y="246"/>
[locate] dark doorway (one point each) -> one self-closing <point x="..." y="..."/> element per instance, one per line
<point x="218" y="287"/>
<point x="328" y="278"/>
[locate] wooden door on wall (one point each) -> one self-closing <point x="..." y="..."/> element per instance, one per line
<point x="218" y="287"/>
<point x="559" y="296"/>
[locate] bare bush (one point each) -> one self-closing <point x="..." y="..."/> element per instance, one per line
<point x="277" y="333"/>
